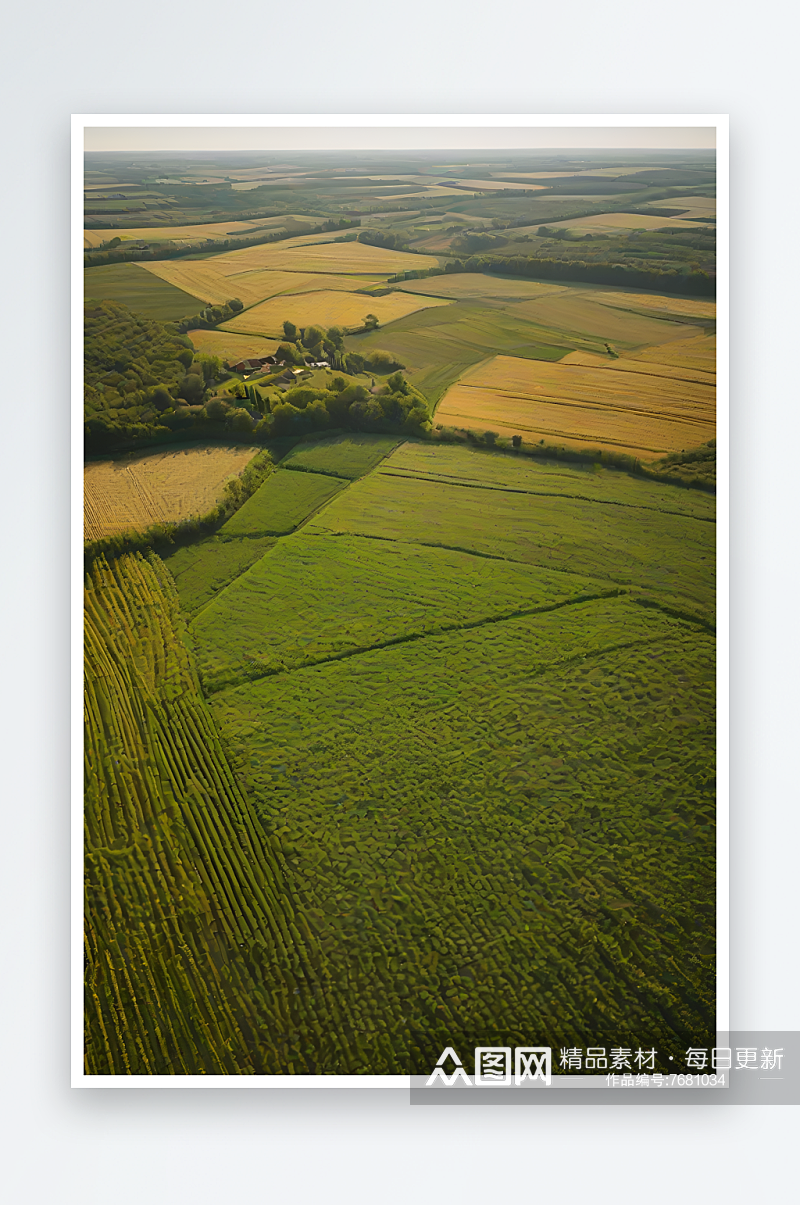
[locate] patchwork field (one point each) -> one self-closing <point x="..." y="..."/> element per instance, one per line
<point x="232" y="347"/>
<point x="281" y="503"/>
<point x="327" y="308"/>
<point x="143" y="292"/>
<point x="477" y="286"/>
<point x="162" y="487"/>
<point x="207" y="279"/>
<point x="579" y="311"/>
<point x="609" y="223"/>
<point x="348" y="456"/>
<point x="626" y="405"/>
<point x="180" y="234"/>
<point x="352" y="258"/>
<point x="465" y="686"/>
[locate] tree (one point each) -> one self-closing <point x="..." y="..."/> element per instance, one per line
<point x="370" y="322"/>
<point x="241" y="421"/>
<point x="217" y="410"/>
<point x="160" y="398"/>
<point x="290" y="331"/>
<point x="312" y="336"/>
<point x="185" y="357"/>
<point x="191" y="388"/>
<point x="235" y="304"/>
<point x="516" y="441"/>
<point x="335" y="337"/>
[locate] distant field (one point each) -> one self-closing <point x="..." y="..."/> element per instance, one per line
<point x="208" y="230"/>
<point x="161" y="487"/>
<point x="348" y="456"/>
<point x="207" y="280"/>
<point x="281" y="503"/>
<point x="580" y="311"/>
<point x="612" y="405"/>
<point x="232" y="347"/>
<point x="615" y="222"/>
<point x="146" y="294"/>
<point x="475" y="286"/>
<point x="695" y="207"/>
<point x="327" y="308"/>
<point x="699" y="352"/>
<point x="355" y="258"/>
<point x="688" y="307"/>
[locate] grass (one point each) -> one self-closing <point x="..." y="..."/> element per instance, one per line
<point x="316" y="598"/>
<point x="201" y="570"/>
<point x="476" y="286"/>
<point x="352" y="455"/>
<point x="669" y="556"/>
<point x="326" y="308"/>
<point x="580" y="311"/>
<point x="283" y="502"/>
<point x="438" y="345"/>
<point x="625" y="405"/>
<point x="491" y="828"/>
<point x="189" y="929"/>
<point x="470" y="466"/>
<point x="232" y="347"/>
<point x="127" y="285"/>
<point x="133" y="493"/>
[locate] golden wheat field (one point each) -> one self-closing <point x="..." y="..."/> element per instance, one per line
<point x="295" y="256"/>
<point x="327" y="308"/>
<point x="610" y="223"/>
<point x="694" y="207"/>
<point x="579" y="312"/>
<point x="221" y="230"/>
<point x="683" y="307"/>
<point x="232" y="347"/>
<point x="475" y="286"/>
<point x="203" y="279"/>
<point x="164" y="487"/>
<point x="627" y="405"/>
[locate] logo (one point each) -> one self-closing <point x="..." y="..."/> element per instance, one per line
<point x="493" y="1067"/>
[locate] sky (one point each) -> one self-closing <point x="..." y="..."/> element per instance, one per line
<point x="218" y="137"/>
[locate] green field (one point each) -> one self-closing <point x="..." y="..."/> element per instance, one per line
<point x="668" y="555"/>
<point x="493" y="826"/>
<point x="348" y="456"/>
<point x="417" y="748"/>
<point x="144" y="293"/>
<point x="280" y="504"/>
<point x="202" y="570"/>
<point x="316" y="598"/>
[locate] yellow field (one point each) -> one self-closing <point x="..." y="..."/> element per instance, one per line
<point x="203" y="279"/>
<point x="231" y="347"/>
<point x="94" y="238"/>
<point x="626" y="405"/>
<point x="611" y="223"/>
<point x="579" y="312"/>
<point x="326" y="307"/>
<point x="474" y="286"/>
<point x="292" y="255"/>
<point x="696" y="207"/>
<point x="698" y="352"/>
<point x="684" y="307"/>
<point x="163" y="487"/>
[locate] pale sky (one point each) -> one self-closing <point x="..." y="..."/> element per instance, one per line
<point x="192" y="137"/>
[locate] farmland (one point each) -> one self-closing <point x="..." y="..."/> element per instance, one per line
<point x="412" y="742"/>
<point x="143" y="292"/>
<point x="635" y="406"/>
<point x="165" y="487"/>
<point x="191" y="234"/>
<point x="328" y="308"/>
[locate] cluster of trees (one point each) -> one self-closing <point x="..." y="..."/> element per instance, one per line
<point x="377" y="238"/>
<point x="141" y="377"/>
<point x="210" y="317"/>
<point x="697" y="283"/>
<point x="395" y="407"/>
<point x="314" y="343"/>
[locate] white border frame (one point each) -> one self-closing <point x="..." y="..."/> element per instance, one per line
<point x="332" y="122"/>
